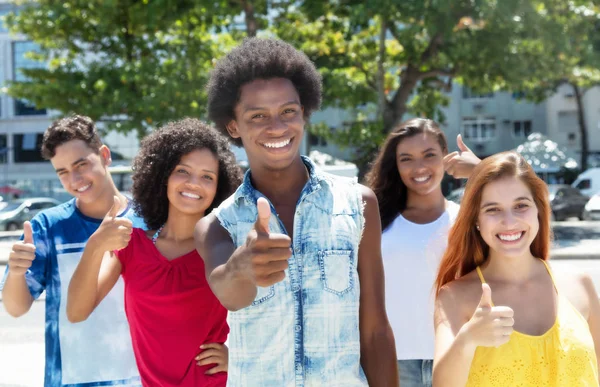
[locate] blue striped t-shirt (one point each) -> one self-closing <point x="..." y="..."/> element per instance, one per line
<point x="97" y="351"/>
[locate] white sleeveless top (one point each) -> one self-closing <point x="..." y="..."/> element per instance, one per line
<point x="411" y="254"/>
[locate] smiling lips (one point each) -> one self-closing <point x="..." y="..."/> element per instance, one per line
<point x="84" y="188"/>
<point x="422" y="179"/>
<point x="276" y="145"/>
<point x="512" y="237"/>
<point x="190" y="195"/>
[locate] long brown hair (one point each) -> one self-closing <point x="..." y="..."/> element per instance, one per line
<point x="384" y="178"/>
<point x="466" y="248"/>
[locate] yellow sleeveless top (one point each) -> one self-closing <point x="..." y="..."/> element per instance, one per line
<point x="563" y="356"/>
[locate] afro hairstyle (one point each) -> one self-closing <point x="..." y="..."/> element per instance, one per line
<point x="259" y="58"/>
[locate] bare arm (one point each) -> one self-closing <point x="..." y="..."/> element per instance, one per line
<point x="233" y="274"/>
<point x="377" y="345"/>
<point x="95" y="276"/>
<point x="234" y="288"/>
<point x="457" y="340"/>
<point x="16" y="297"/>
<point x="453" y="354"/>
<point x="98" y="270"/>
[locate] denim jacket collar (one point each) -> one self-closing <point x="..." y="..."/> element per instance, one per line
<point x="251" y="195"/>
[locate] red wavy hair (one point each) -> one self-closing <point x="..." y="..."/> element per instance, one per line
<point x="466" y="249"/>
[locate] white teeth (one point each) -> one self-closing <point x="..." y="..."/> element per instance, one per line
<point x="190" y="195"/>
<point x="280" y="144"/>
<point x="510" y="238"/>
<point x="84" y="188"/>
<point x="422" y="179"/>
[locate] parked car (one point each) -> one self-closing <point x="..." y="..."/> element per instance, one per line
<point x="588" y="182"/>
<point x="592" y="208"/>
<point x="18" y="211"/>
<point x="456" y="195"/>
<point x="566" y="201"/>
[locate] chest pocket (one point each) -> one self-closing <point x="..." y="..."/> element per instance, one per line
<point x="263" y="294"/>
<point x="336" y="270"/>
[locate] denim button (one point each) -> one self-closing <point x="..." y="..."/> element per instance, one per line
<point x="298" y="328"/>
<point x="295" y="288"/>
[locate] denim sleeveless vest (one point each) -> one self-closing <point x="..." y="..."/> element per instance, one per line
<point x="303" y="331"/>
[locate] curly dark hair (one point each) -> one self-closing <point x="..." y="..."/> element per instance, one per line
<point x="258" y="58"/>
<point x="384" y="178"/>
<point x="159" y="154"/>
<point x="75" y="127"/>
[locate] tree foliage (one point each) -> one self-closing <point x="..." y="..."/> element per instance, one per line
<point x="132" y="64"/>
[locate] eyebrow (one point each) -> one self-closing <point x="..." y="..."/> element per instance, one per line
<point x="254" y="108"/>
<point x="408" y="154"/>
<point x="73" y="163"/>
<point x="520" y="198"/>
<point x="205" y="170"/>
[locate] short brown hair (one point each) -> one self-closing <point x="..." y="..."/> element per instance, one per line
<point x="75" y="127"/>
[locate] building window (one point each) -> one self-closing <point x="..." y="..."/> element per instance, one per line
<point x="316" y="140"/>
<point x="28" y="148"/>
<point x="3" y="149"/>
<point x="479" y="129"/>
<point x="521" y="129"/>
<point x="470" y="94"/>
<point x="20" y="61"/>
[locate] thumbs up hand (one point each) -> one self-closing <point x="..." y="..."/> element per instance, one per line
<point x="264" y="215"/>
<point x="460" y="164"/>
<point x="490" y="326"/>
<point x="264" y="256"/>
<point x="114" y="233"/>
<point x="22" y="254"/>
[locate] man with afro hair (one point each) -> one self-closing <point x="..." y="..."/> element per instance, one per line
<point x="294" y="254"/>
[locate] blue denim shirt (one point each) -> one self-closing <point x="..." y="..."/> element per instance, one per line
<point x="303" y="331"/>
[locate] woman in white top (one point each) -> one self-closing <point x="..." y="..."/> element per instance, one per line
<point x="406" y="177"/>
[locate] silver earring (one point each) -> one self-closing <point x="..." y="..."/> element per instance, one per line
<point x="477" y="227"/>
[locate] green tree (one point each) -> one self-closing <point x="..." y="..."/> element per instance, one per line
<point x="132" y="64"/>
<point x="401" y="57"/>
<point x="575" y="58"/>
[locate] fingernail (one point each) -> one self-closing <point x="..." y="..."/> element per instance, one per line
<point x="202" y="346"/>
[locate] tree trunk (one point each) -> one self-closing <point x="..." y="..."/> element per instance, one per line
<point x="251" y="26"/>
<point x="396" y="109"/>
<point x="582" y="126"/>
<point x="382" y="99"/>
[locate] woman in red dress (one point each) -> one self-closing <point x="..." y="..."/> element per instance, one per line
<point x="178" y="327"/>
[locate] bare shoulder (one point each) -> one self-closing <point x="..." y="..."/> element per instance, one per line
<point x="209" y="228"/>
<point x="576" y="285"/>
<point x="568" y="276"/>
<point x="367" y="193"/>
<point x="457" y="300"/>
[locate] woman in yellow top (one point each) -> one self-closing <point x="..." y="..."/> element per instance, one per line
<point x="501" y="319"/>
